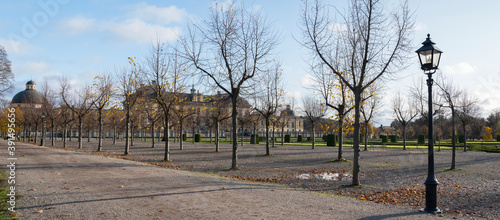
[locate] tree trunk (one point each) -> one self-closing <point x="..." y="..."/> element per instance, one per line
<point x="127" y="130"/>
<point x="88" y="133"/>
<point x="313" y="138"/>
<point x="64" y="134"/>
<point x="355" y="170"/>
<point x="181" y="137"/>
<point x="217" y="135"/>
<point x="234" y="114"/>
<point x="153" y="134"/>
<point x="80" y="128"/>
<point x="193" y="133"/>
<point x="267" y="137"/>
<point x="99" y="143"/>
<point x="166" y="157"/>
<point x="341" y="136"/>
<point x="453" y="139"/>
<point x="404" y="136"/>
<point x="210" y="134"/>
<point x="36" y="132"/>
<point x="114" y="134"/>
<point x="282" y="137"/>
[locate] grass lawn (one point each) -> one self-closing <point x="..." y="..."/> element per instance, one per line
<point x="476" y="145"/>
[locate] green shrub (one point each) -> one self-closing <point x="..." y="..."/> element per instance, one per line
<point x="299" y="138"/>
<point x="498" y="137"/>
<point x="421" y="139"/>
<point x="184" y="137"/>
<point x="323" y="138"/>
<point x="287" y="138"/>
<point x="331" y="140"/>
<point x="394" y="138"/>
<point x="254" y="138"/>
<point x="384" y="138"/>
<point x="461" y="138"/>
<point x="309" y="139"/>
<point x="197" y="138"/>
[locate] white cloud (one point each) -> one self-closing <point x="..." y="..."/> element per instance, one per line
<point x="77" y="25"/>
<point x="460" y="68"/>
<point x="15" y="47"/>
<point x="420" y="27"/>
<point x="158" y="15"/>
<point x="307" y="81"/>
<point x="139" y="31"/>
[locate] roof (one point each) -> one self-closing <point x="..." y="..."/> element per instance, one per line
<point x="30" y="83"/>
<point x="28" y="96"/>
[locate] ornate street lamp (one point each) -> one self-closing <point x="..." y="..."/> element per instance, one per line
<point x="429" y="57"/>
<point x="43" y="129"/>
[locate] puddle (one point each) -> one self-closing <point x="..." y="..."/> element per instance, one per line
<point x="324" y="176"/>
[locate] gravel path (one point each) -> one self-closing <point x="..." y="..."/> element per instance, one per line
<point x="57" y="184"/>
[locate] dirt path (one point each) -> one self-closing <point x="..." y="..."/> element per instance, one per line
<point x="70" y="185"/>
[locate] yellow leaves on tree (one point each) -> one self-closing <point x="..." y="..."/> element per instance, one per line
<point x="487" y="135"/>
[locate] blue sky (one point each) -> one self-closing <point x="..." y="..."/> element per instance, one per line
<point x="48" y="38"/>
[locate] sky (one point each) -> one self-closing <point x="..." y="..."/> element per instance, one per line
<point x="46" y="39"/>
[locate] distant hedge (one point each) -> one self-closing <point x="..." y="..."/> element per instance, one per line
<point x="394" y="138"/>
<point x="461" y="138"/>
<point x="331" y="140"/>
<point x="299" y="138"/>
<point x="254" y="138"/>
<point x="421" y="139"/>
<point x="197" y="138"/>
<point x="287" y="138"/>
<point x="384" y="138"/>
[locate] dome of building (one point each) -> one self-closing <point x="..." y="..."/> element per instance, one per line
<point x="29" y="96"/>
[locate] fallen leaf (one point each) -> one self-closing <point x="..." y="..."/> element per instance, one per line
<point x="41" y="211"/>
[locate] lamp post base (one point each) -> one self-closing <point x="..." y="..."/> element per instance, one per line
<point x="436" y="211"/>
<point x="431" y="196"/>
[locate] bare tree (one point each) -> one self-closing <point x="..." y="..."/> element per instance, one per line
<point x="66" y="117"/>
<point x="405" y="112"/>
<point x="466" y="112"/>
<point x="314" y="111"/>
<point x="49" y="107"/>
<point x="217" y="112"/>
<point x="80" y="103"/>
<point x="370" y="103"/>
<point x="450" y="94"/>
<point x="129" y="81"/>
<point x="372" y="43"/>
<point x="182" y="112"/>
<point x="103" y="86"/>
<point x="6" y="75"/>
<point x="271" y="97"/>
<point x="165" y="72"/>
<point x="335" y="95"/>
<point x="284" y="117"/>
<point x="114" y="117"/>
<point x="244" y="119"/>
<point x="232" y="45"/>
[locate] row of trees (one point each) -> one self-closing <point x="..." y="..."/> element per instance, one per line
<point x="232" y="50"/>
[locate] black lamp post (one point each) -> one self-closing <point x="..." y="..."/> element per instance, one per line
<point x="429" y="57"/>
<point x="43" y="129"/>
